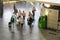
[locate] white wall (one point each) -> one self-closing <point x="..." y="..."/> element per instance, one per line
<point x="52" y="19"/>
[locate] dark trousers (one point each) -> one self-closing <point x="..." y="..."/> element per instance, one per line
<point x="21" y="24"/>
<point x="33" y="14"/>
<point x="24" y="17"/>
<point x="30" y="22"/>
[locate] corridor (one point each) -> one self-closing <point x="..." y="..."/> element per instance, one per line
<point x="21" y="34"/>
<point x="26" y="33"/>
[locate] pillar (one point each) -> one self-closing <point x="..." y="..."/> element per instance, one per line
<point x="1" y="8"/>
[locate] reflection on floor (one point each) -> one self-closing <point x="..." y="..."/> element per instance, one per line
<point x="25" y="33"/>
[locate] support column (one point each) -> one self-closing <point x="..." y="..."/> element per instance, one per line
<point x="1" y="8"/>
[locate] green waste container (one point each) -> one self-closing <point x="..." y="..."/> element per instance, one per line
<point x="43" y="22"/>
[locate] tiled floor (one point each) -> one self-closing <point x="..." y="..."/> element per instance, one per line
<point x="50" y="35"/>
<point x="26" y="33"/>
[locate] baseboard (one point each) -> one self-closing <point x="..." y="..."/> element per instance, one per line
<point x="52" y="29"/>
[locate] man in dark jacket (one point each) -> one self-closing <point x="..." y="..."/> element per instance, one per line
<point x="15" y="9"/>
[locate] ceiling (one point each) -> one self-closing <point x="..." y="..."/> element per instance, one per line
<point x="52" y="2"/>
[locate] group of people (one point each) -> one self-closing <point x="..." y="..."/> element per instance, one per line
<point x="18" y="17"/>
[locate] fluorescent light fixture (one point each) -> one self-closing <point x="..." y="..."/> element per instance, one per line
<point x="9" y="2"/>
<point x="31" y="3"/>
<point x="47" y="5"/>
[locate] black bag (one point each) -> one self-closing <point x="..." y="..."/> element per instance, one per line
<point x="18" y="17"/>
<point x="9" y="24"/>
<point x="30" y="21"/>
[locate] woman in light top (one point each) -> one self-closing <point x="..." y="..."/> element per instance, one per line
<point x="19" y="14"/>
<point x="21" y="21"/>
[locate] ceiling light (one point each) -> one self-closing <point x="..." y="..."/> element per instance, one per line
<point x="47" y="5"/>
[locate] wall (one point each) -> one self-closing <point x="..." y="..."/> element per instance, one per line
<point x="52" y="18"/>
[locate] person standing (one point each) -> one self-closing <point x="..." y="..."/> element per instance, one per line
<point x="30" y="19"/>
<point x="15" y="9"/>
<point x="12" y="23"/>
<point x="24" y="14"/>
<point x="33" y="11"/>
<point x="20" y="21"/>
